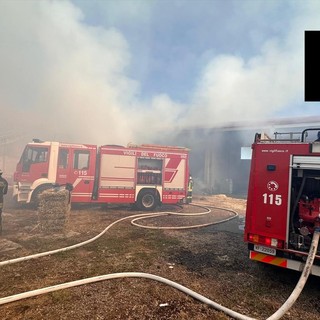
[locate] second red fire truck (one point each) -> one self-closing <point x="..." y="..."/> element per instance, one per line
<point x="145" y="175"/>
<point x="283" y="204"/>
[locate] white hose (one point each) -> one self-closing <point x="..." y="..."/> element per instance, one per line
<point x="140" y="215"/>
<point x="77" y="245"/>
<point x="235" y="214"/>
<point x="277" y="315"/>
<point x="173" y="284"/>
<point x="302" y="281"/>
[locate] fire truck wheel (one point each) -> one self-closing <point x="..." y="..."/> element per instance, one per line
<point x="36" y="194"/>
<point x="147" y="200"/>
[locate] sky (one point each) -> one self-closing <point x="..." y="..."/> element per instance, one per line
<point x="119" y="71"/>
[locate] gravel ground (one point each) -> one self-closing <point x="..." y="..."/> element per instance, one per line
<point x="211" y="260"/>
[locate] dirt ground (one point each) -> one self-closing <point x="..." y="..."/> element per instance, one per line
<point x="211" y="260"/>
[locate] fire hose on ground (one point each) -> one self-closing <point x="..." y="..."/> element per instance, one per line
<point x="277" y="315"/>
<point x="139" y="216"/>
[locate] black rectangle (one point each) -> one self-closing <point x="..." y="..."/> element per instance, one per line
<point x="312" y="65"/>
<point x="271" y="167"/>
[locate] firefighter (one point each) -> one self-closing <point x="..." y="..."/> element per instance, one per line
<point x="3" y="191"/>
<point x="190" y="186"/>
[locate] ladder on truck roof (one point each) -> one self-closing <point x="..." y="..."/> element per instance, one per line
<point x="286" y="136"/>
<point x="278" y="137"/>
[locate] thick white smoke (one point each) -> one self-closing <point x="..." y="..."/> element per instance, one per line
<point x="232" y="89"/>
<point x="62" y="79"/>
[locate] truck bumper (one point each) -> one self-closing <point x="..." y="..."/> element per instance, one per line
<point x="282" y="262"/>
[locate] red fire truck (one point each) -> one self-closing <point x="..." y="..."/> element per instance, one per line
<point x="145" y="175"/>
<point x="283" y="204"/>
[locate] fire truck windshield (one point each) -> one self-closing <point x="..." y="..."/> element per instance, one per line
<point x="33" y="155"/>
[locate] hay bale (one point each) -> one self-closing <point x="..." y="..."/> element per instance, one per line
<point x="53" y="210"/>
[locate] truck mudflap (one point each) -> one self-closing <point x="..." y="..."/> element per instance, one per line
<point x="282" y="262"/>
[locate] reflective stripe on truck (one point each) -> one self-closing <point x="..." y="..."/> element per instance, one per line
<point x="282" y="262"/>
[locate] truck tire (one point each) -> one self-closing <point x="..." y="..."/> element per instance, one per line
<point x="16" y="204"/>
<point x="147" y="200"/>
<point x="36" y="194"/>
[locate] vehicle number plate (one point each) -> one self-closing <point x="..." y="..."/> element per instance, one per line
<point x="263" y="249"/>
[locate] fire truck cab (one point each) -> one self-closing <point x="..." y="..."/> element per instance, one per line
<point x="283" y="203"/>
<point x="145" y="175"/>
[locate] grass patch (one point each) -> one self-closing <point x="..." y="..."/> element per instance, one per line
<point x="61" y="296"/>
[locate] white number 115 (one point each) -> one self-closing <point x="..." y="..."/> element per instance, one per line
<point x="272" y="199"/>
